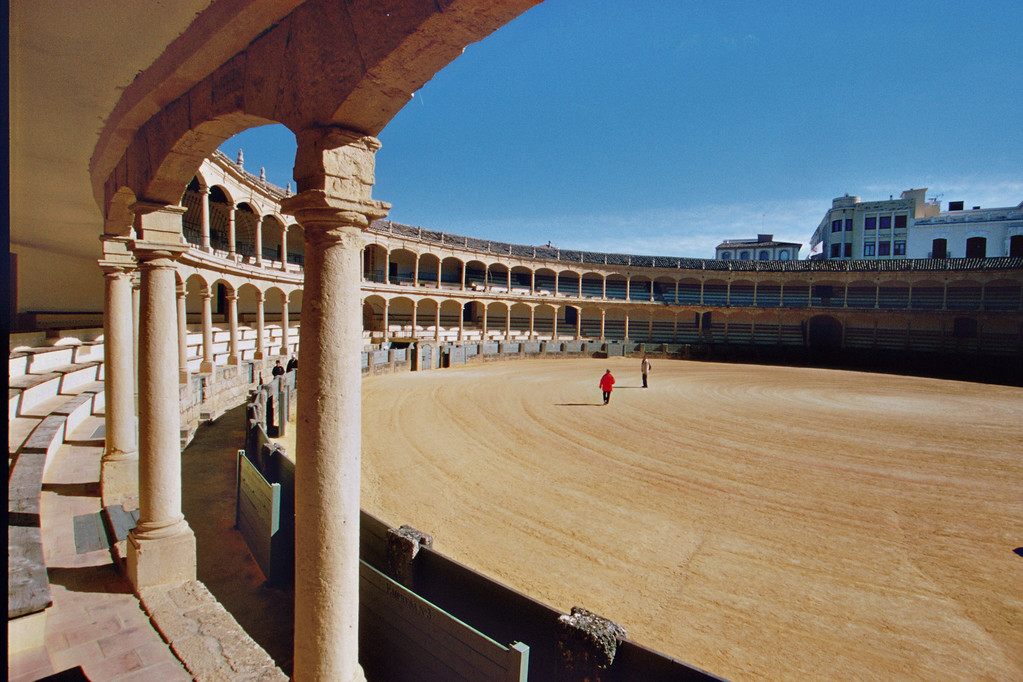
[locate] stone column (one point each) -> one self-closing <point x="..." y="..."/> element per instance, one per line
<point x="135" y="312"/>
<point x="260" y="330"/>
<point x="603" y="317"/>
<point x="235" y="353"/>
<point x="182" y="334"/>
<point x="603" y="287"/>
<point x="334" y="171"/>
<point x="436" y="326"/>
<point x="207" y="364"/>
<point x="230" y="231"/>
<point x="415" y="272"/>
<point x="507" y="322"/>
<point x="386" y="322"/>
<point x="484" y="322"/>
<point x="626" y="336"/>
<point x="285" y="327"/>
<point x="204" y="193"/>
<point x="259" y="241"/>
<point x="532" y="282"/>
<point x="415" y="306"/>
<point x="554" y="322"/>
<point x="284" y="248"/>
<point x="120" y="453"/>
<point x="532" y="319"/>
<point x="161" y="548"/>
<point x="578" y="324"/>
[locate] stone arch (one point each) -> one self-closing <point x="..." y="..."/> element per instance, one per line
<point x="400" y="47"/>
<point x="220" y="204"/>
<point x="640" y="288"/>
<point x="450" y="318"/>
<point x="451" y="272"/>
<point x="426" y="317"/>
<point x="429" y="270"/>
<point x="520" y="320"/>
<point x="593" y="285"/>
<point x="497" y="277"/>
<point x="614" y="323"/>
<point x="475" y="274"/>
<point x="824" y="334"/>
<point x="616" y="286"/>
<point x="246" y="222"/>
<point x="374" y="263"/>
<point x="827" y="293"/>
<point x="373" y="314"/>
<point x="401" y="266"/>
<point x="522" y="279"/>
<point x="664" y="289"/>
<point x="590" y="321"/>
<point x="569" y="283"/>
<point x="963" y="294"/>
<point x="399" y="316"/>
<point x="545" y="279"/>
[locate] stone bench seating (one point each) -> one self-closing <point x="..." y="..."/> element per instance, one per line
<point x="51" y="391"/>
<point x="28" y="391"/>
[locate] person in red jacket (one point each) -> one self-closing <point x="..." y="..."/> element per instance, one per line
<point x="607" y="382"/>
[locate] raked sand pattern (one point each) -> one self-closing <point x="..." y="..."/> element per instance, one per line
<point x="758" y="522"/>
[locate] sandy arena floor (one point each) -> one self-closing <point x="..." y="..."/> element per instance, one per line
<point x="762" y="523"/>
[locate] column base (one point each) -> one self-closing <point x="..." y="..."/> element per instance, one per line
<point x="258" y="355"/>
<point x="206" y="367"/>
<point x="161" y="561"/>
<point x="119" y="480"/>
<point x="183" y="375"/>
<point x="233" y="360"/>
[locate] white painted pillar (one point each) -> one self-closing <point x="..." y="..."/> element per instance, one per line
<point x="135" y="312"/>
<point x="626" y="337"/>
<point x="554" y="325"/>
<point x="161" y="548"/>
<point x="120" y="453"/>
<point x="182" y="333"/>
<point x="532" y="319"/>
<point x="415" y="306"/>
<point x="206" y="366"/>
<point x="436" y="326"/>
<point x="285" y="327"/>
<point x="329" y="432"/>
<point x="386" y="321"/>
<point x="230" y="231"/>
<point x="603" y="315"/>
<point x="204" y="214"/>
<point x="260" y="327"/>
<point x="259" y="241"/>
<point x="284" y="248"/>
<point x="235" y="353"/>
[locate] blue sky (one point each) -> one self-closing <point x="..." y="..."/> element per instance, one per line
<point x="662" y="127"/>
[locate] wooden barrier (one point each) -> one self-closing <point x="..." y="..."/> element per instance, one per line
<point x="405" y="637"/>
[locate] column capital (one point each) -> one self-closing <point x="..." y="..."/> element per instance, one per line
<point x="334" y="169"/>
<point x="158" y="223"/>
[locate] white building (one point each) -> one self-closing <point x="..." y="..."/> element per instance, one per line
<point x="762" y="248"/>
<point x="915" y="227"/>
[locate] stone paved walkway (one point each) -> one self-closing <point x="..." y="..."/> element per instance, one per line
<point x="95" y="621"/>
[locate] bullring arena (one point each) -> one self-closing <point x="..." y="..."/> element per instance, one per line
<point x="779" y="519"/>
<point x="757" y="522"/>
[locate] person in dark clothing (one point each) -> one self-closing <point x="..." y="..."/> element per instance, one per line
<point x="278" y="370"/>
<point x="292" y="363"/>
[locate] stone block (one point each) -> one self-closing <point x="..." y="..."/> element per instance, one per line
<point x="586" y="646"/>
